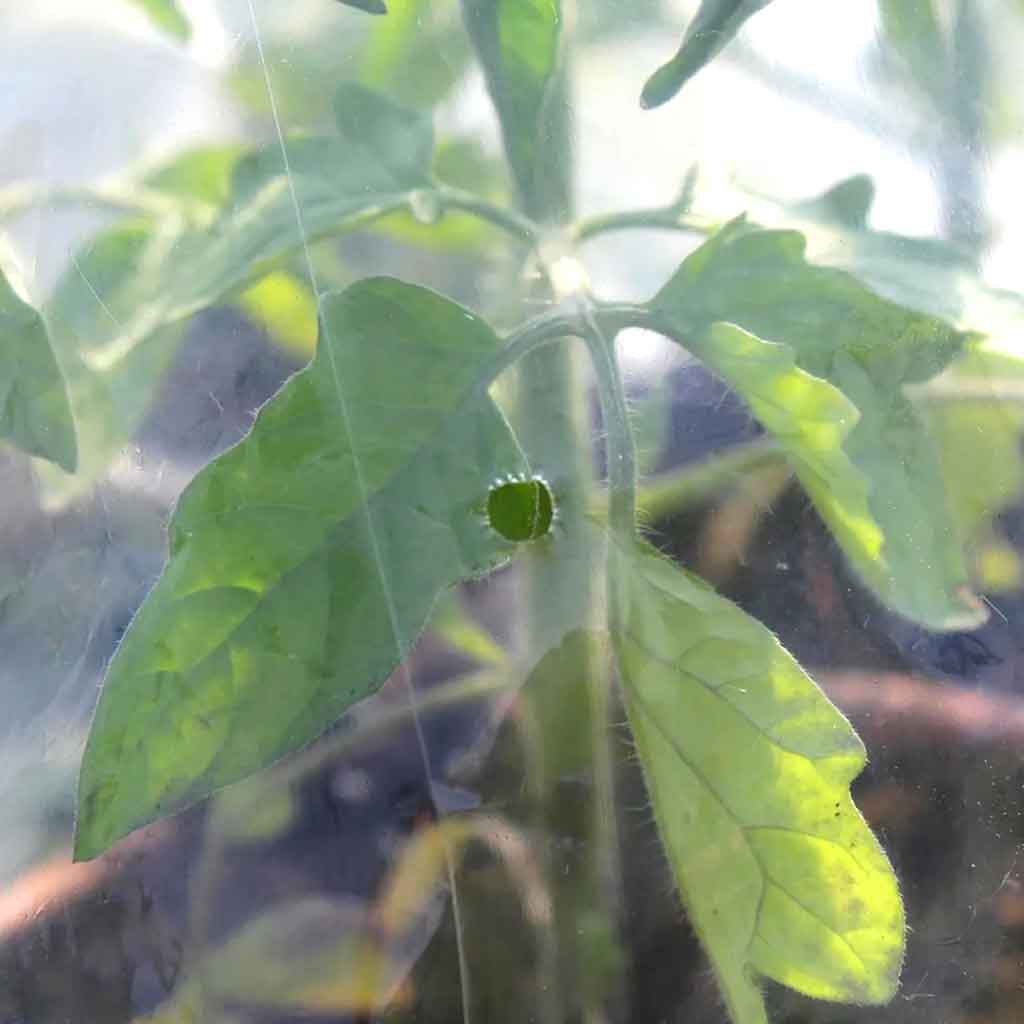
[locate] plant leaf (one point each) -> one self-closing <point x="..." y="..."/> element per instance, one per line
<point x="167" y="16"/>
<point x="417" y="54"/>
<point x="518" y="43"/>
<point x="34" y="410"/>
<point x="304" y="561"/>
<point x="929" y="275"/>
<point x="113" y="312"/>
<point x="203" y="173"/>
<point x="714" y="25"/>
<point x="370" y="6"/>
<point x="381" y="154"/>
<point x="748" y="767"/>
<point x="870" y="349"/>
<point x="812" y="420"/>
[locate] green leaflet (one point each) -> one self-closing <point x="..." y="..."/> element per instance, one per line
<point x="370" y="6"/>
<point x="417" y="53"/>
<point x="748" y="766"/>
<point x="297" y="556"/>
<point x="929" y="275"/>
<point x="870" y="349"/>
<point x="812" y="420"/>
<point x="202" y="174"/>
<point x="109" y="389"/>
<point x="34" y="410"/>
<point x="114" y="311"/>
<point x="167" y="16"/>
<point x="926" y="274"/>
<point x="518" y="45"/>
<point x="714" y="25"/>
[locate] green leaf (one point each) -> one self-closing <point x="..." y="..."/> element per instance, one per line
<point x="926" y="274"/>
<point x="370" y="6"/>
<point x="847" y="204"/>
<point x="518" y="44"/>
<point x="417" y="54"/>
<point x="748" y="767"/>
<point x="203" y="173"/>
<point x="34" y="410"/>
<point x="166" y="15"/>
<point x="869" y="349"/>
<point x="380" y="155"/>
<point x="114" y="311"/>
<point x="714" y="25"/>
<point x="304" y="561"/>
<point x="812" y="420"/>
<point x="930" y="275"/>
<point x="110" y="385"/>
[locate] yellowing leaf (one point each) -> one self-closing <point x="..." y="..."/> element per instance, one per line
<point x="748" y="766"/>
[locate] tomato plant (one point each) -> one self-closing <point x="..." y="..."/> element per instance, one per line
<point x="305" y="561"/>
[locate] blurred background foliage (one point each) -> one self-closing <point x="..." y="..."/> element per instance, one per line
<point x="889" y="133"/>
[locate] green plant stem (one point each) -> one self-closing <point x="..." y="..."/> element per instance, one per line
<point x="663" y="218"/>
<point x="507" y="219"/>
<point x="621" y="448"/>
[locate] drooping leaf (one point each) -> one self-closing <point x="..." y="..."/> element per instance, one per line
<point x="34" y="410"/>
<point x="114" y="310"/>
<point x="869" y="349"/>
<point x="748" y="766"/>
<point x="304" y="561"/>
<point x="518" y="45"/>
<point x="714" y="25"/>
<point x="167" y="16"/>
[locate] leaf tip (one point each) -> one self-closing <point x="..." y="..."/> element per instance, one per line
<point x="662" y="86"/>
